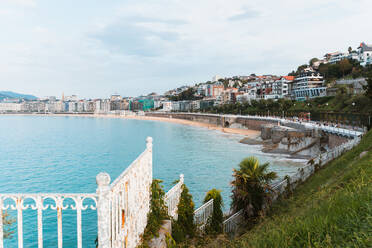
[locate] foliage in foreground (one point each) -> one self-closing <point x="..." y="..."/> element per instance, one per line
<point x="184" y="228"/>
<point x="251" y="187"/>
<point x="332" y="209"/>
<point x="158" y="212"/>
<point x="7" y="225"/>
<point x="214" y="225"/>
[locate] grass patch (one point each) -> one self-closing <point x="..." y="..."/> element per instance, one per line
<point x="331" y="209"/>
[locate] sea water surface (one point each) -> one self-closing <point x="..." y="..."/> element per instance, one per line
<point x="59" y="154"/>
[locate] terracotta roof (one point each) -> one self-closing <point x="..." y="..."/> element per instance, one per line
<point x="289" y="78"/>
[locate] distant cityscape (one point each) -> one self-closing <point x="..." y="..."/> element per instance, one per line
<point x="305" y="83"/>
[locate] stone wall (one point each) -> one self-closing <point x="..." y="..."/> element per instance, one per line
<point x="336" y="140"/>
<point x="254" y="124"/>
<point x="220" y="121"/>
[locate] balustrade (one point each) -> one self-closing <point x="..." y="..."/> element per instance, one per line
<point x="172" y="198"/>
<point x="17" y="202"/>
<point x="121" y="207"/>
<point x="202" y="214"/>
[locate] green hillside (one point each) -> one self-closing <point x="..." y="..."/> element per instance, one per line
<point x="332" y="209"/>
<point x="10" y="94"/>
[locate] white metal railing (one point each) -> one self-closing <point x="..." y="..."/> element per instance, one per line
<point x="202" y="214"/>
<point x="336" y="130"/>
<point x="172" y="198"/>
<point x="37" y="202"/>
<point x="231" y="224"/>
<point x="303" y="173"/>
<point x="122" y="207"/>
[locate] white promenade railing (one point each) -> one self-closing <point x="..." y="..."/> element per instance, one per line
<point x="335" y="130"/>
<point x="172" y="198"/>
<point x="202" y="214"/>
<point x="303" y="173"/>
<point x="36" y="202"/>
<point x="122" y="206"/>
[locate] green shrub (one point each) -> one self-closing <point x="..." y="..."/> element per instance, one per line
<point x="184" y="228"/>
<point x="214" y="225"/>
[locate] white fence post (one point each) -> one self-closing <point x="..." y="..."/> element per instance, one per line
<point x="103" y="210"/>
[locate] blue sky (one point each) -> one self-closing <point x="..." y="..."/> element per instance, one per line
<point x="94" y="48"/>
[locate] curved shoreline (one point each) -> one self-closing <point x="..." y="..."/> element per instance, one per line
<point x="245" y="132"/>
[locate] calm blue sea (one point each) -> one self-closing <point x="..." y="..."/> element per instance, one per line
<point x="64" y="155"/>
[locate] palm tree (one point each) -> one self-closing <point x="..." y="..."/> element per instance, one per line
<point x="251" y="186"/>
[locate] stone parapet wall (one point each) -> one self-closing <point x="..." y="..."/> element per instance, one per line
<point x="254" y="124"/>
<point x="336" y="140"/>
<point x="220" y="121"/>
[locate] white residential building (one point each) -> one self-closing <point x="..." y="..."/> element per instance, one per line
<point x="365" y="54"/>
<point x="167" y="106"/>
<point x="333" y="58"/>
<point x="10" y="107"/>
<point x="308" y="85"/>
<point x="72" y="107"/>
<point x="195" y="105"/>
<point x="175" y="106"/>
<point x="216" y="78"/>
<point x="247" y="96"/>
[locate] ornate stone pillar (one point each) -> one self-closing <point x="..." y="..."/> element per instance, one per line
<point x="103" y="210"/>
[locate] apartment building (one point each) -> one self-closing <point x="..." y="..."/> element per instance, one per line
<point x="308" y="85"/>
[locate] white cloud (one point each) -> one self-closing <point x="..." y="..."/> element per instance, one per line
<point x="140" y="46"/>
<point x="23" y="3"/>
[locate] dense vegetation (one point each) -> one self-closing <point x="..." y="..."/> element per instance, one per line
<point x="343" y="102"/>
<point x="332" y="209"/>
<point x="188" y="94"/>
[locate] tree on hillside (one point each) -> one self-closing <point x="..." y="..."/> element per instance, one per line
<point x="251" y="186"/>
<point x="215" y="224"/>
<point x="184" y="227"/>
<point x="312" y="61"/>
<point x="301" y="68"/>
<point x="349" y="49"/>
<point x="188" y="94"/>
<point x="368" y="87"/>
<point x="323" y="69"/>
<point x="345" y="66"/>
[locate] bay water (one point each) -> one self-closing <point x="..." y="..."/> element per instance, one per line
<point x="63" y="154"/>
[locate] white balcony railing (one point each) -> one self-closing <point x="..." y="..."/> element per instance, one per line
<point x="37" y="203"/>
<point x="121" y="207"/>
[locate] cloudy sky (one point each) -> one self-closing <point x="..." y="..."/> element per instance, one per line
<point x="94" y="48"/>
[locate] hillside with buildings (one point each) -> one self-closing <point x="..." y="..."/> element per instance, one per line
<point x="336" y="72"/>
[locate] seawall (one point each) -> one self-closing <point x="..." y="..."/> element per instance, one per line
<point x="221" y="121"/>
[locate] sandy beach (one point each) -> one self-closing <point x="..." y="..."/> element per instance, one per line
<point x="246" y="132"/>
